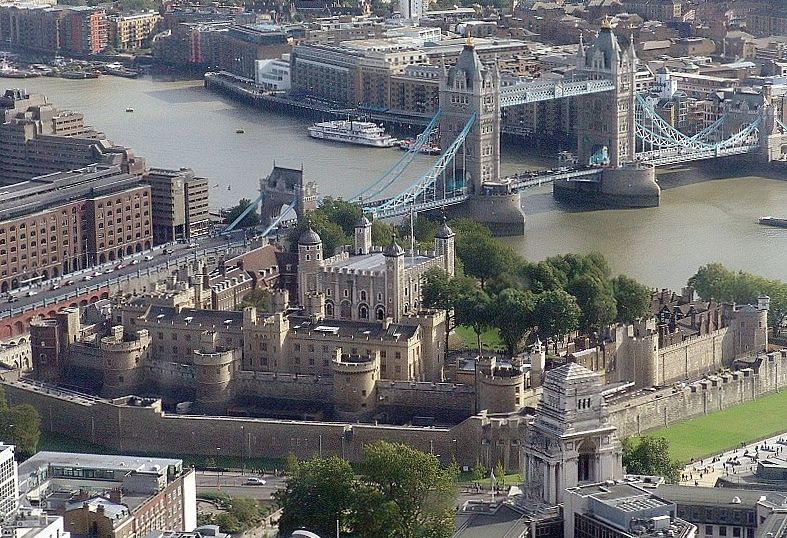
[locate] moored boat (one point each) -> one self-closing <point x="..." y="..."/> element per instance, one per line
<point x="773" y="221"/>
<point x="427" y="148"/>
<point x="353" y="132"/>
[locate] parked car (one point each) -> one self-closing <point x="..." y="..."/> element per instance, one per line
<point x="254" y="481"/>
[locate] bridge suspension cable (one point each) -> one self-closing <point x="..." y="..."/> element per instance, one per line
<point x="425" y="183"/>
<point x="398" y="168"/>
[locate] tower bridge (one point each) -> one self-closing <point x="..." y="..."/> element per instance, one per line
<point x="620" y="141"/>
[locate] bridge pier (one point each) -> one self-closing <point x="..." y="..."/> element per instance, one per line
<point x="501" y="213"/>
<point x="627" y="186"/>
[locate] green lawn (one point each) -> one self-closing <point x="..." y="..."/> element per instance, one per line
<point x="723" y="430"/>
<point x="490" y="339"/>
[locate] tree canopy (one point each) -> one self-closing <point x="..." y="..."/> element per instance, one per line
<point x="20" y="425"/>
<point x="650" y="456"/>
<point x="398" y="492"/>
<point x="714" y="281"/>
<point x="251" y="219"/>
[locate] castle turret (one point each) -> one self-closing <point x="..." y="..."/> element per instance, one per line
<point x="363" y="236"/>
<point x="500" y="389"/>
<point x="214" y="366"/>
<point x="394" y="280"/>
<point x="309" y="263"/>
<point x="354" y="379"/>
<point x="124" y="361"/>
<point x="444" y="246"/>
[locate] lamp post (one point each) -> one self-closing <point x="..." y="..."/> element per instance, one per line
<point x="218" y="480"/>
<point x="242" y="449"/>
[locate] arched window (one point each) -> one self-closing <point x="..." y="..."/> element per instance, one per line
<point x="379" y="313"/>
<point x="363" y="295"/>
<point x="329" y="309"/>
<point x="363" y="312"/>
<point x="345" y="312"/>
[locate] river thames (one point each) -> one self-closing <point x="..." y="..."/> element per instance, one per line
<point x="180" y="124"/>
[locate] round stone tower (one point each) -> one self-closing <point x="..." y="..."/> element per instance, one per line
<point x="354" y="379"/>
<point x="123" y="361"/>
<point x="309" y="262"/>
<point x="500" y="388"/>
<point x="213" y="371"/>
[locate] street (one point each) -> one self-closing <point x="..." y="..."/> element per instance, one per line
<point x="75" y="283"/>
<point x="233" y="483"/>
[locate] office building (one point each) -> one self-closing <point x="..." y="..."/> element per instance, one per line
<point x="180" y="204"/>
<point x="109" y="496"/>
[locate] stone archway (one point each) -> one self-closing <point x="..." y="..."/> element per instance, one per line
<point x="586" y="463"/>
<point x="346" y="310"/>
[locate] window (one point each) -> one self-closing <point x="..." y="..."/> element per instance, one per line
<point x="736" y="532"/>
<point x="709" y="530"/>
<point x="722" y="530"/>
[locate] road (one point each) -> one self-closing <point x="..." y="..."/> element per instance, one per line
<point x="78" y="282"/>
<point x="233" y="483"/>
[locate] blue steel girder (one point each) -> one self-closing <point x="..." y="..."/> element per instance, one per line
<point x="398" y="168"/>
<point x="424" y="186"/>
<point x="533" y="92"/>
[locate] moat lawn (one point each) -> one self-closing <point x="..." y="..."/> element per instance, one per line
<point x="490" y="339"/>
<point x="723" y="430"/>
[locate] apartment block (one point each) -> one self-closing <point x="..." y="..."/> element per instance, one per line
<point x="132" y="31"/>
<point x="180" y="204"/>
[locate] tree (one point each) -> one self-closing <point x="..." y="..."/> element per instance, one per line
<point x="475" y="310"/>
<point x="437" y="292"/>
<point x="251" y="219"/>
<point x="556" y="314"/>
<point x="717" y="282"/>
<point x="513" y="317"/>
<point x="330" y="233"/>
<point x="478" y="471"/>
<point x="595" y="298"/>
<point x="319" y="492"/>
<point x="632" y="299"/>
<point x="340" y="212"/>
<point x="650" y="456"/>
<point x="21" y="425"/>
<point x="381" y="233"/>
<point x="484" y="258"/>
<point x="412" y="493"/>
<point x="258" y="298"/>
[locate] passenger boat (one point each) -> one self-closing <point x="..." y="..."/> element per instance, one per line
<point x="363" y="133"/>
<point x="428" y="148"/>
<point x="119" y="70"/>
<point x="773" y="221"/>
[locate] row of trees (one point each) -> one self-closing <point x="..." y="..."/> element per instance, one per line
<point x="650" y="456"/>
<point x="716" y="281"/>
<point x="398" y="491"/>
<point x="498" y="289"/>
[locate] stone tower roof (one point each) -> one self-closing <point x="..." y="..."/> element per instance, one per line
<point x="393" y="249"/>
<point x="362" y="222"/>
<point x="445" y="232"/>
<point x="570" y="373"/>
<point x="468" y="65"/>
<point x="309" y="237"/>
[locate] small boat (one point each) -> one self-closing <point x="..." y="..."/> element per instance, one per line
<point x="428" y="148"/>
<point x="78" y="75"/>
<point x="773" y="221"/>
<point x="363" y="133"/>
<point x="129" y="109"/>
<point x="119" y="70"/>
<point x="239" y="131"/>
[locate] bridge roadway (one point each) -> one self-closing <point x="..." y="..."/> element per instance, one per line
<point x="506" y="185"/>
<point x="661" y="157"/>
<point x="75" y="284"/>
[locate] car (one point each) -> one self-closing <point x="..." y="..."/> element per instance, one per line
<point x="254" y="481"/>
<point x="98" y="273"/>
<point x="70" y="283"/>
<point x="193" y="245"/>
<point x="134" y="262"/>
<point x="55" y="287"/>
<point x="31" y="293"/>
<point x="13" y="298"/>
<point x="86" y="278"/>
<point x="148" y="258"/>
<point x="119" y="266"/>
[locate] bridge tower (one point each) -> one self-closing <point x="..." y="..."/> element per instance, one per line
<point x="606" y="120"/>
<point x="470" y="87"/>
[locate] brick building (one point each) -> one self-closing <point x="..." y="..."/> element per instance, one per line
<point x="65" y="221"/>
<point x="132" y="31"/>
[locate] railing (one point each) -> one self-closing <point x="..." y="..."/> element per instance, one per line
<point x="533" y="92"/>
